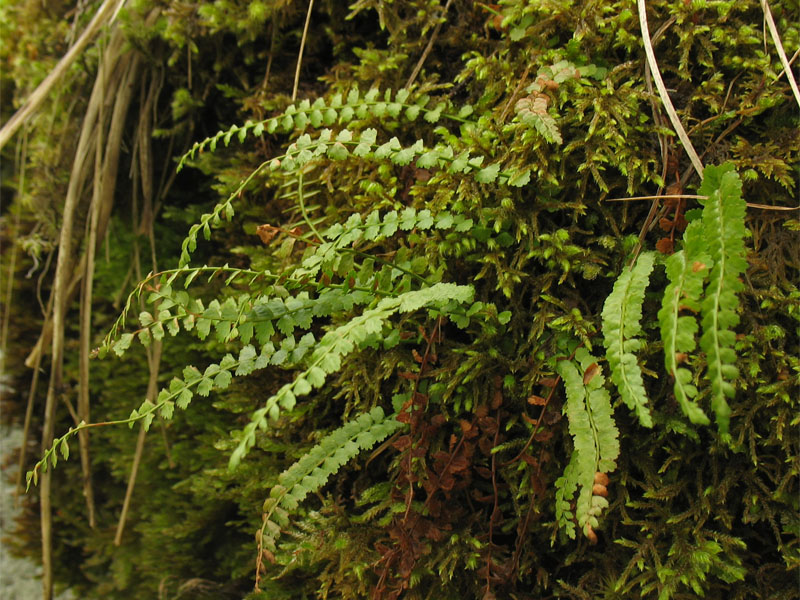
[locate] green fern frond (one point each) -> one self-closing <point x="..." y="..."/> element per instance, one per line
<point x="622" y="315"/>
<point x="313" y="470"/>
<point x="326" y="357"/>
<point x="595" y="443"/>
<point x="338" y="110"/>
<point x="363" y="145"/>
<point x="686" y="271"/>
<point x="723" y="230"/>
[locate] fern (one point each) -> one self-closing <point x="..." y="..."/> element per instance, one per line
<point x="313" y="470"/>
<point x="622" y="315"/>
<point x="318" y="358"/>
<point x="340" y="109"/>
<point x="723" y="232"/>
<point x="595" y="445"/>
<point x="327" y="355"/>
<point x="686" y="271"/>
<point x="346" y="143"/>
<point x="363" y="146"/>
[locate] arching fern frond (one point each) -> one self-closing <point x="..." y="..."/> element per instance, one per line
<point x="723" y="232"/>
<point x="339" y="109"/>
<point x="313" y="470"/>
<point x="622" y="315"/>
<point x="326" y="357"/>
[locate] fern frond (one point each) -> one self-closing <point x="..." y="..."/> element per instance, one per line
<point x="245" y="317"/>
<point x="326" y="358"/>
<point x="723" y="230"/>
<point x="363" y="145"/>
<point x="339" y="109"/>
<point x="595" y="444"/>
<point x="686" y="271"/>
<point x="622" y="315"/>
<point x="313" y="470"/>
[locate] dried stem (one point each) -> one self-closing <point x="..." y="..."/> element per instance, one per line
<point x="428" y="48"/>
<point x="662" y="91"/>
<point x="105" y="14"/>
<point x="302" y="47"/>
<point x="776" y="39"/>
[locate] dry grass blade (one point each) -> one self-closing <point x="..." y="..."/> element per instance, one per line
<point x="300" y="53"/>
<point x="696" y="197"/>
<point x="662" y="91"/>
<point x="776" y="39"/>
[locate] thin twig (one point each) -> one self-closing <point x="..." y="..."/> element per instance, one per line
<point x="696" y="197"/>
<point x="428" y="48"/>
<point x="302" y="47"/>
<point x="154" y="362"/>
<point x="791" y="60"/>
<point x="657" y="196"/>
<point x="662" y="92"/>
<point x="271" y="55"/>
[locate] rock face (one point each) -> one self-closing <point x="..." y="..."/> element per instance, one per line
<point x="19" y="577"/>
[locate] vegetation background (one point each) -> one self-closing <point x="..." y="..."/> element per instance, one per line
<point x="445" y="256"/>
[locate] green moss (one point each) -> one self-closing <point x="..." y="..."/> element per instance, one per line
<point x="522" y="125"/>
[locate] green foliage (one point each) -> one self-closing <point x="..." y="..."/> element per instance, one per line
<point x="326" y="356"/>
<point x="595" y="445"/>
<point x="314" y="468"/>
<point x="678" y="331"/>
<point x="723" y="234"/>
<point x="622" y="315"/>
<point x="704" y="277"/>
<point x="428" y="246"/>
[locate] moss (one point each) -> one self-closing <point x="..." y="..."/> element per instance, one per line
<point x="461" y="503"/>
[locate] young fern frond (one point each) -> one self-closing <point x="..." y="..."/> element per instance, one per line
<point x="313" y="470"/>
<point x="326" y="358"/>
<point x="595" y="444"/>
<point x="622" y="315"/>
<point x="723" y="230"/>
<point x="686" y="271"/>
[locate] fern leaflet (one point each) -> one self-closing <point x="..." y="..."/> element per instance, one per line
<point x="622" y="315"/>
<point x="724" y="231"/>
<point x="686" y="271"/>
<point x="595" y="444"/>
